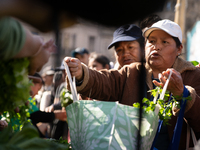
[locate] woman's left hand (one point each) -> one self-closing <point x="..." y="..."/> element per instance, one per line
<point x="175" y="85"/>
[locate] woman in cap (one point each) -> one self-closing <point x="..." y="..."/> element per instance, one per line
<point x="163" y="47"/>
<point x="128" y="43"/>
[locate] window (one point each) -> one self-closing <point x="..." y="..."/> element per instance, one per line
<point x="91" y="43"/>
<point x="73" y="40"/>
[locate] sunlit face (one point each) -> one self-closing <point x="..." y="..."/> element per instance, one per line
<point x="95" y="65"/>
<point x="161" y="50"/>
<point x="128" y="52"/>
<point x="83" y="58"/>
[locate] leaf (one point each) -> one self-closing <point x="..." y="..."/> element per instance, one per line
<point x="165" y="111"/>
<point x="92" y="127"/>
<point x="122" y="121"/>
<point x="123" y="131"/>
<point x="120" y="112"/>
<point x="125" y="142"/>
<point x="101" y="128"/>
<point x="71" y="124"/>
<point x="89" y="135"/>
<point x="107" y="119"/>
<point x="5" y="134"/>
<point x="103" y="145"/>
<point x="28" y="132"/>
<point x="194" y="62"/>
<point x="38" y="143"/>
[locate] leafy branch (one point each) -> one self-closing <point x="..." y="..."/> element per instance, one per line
<point x="15" y="91"/>
<point x="66" y="97"/>
<point x="166" y="105"/>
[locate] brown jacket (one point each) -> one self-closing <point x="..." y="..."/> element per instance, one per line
<point x="122" y="85"/>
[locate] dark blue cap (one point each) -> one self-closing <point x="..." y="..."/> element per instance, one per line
<point x="80" y="51"/>
<point x="128" y="32"/>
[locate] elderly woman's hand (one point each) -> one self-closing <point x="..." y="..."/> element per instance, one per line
<point x="175" y="85"/>
<point x="3" y="124"/>
<point x="75" y="67"/>
<point x="42" y="56"/>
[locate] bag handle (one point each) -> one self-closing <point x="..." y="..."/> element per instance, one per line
<point x="162" y="94"/>
<point x="71" y="83"/>
<point x="178" y="128"/>
<point x="165" y="86"/>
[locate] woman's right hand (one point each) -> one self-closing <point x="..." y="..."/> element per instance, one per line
<point x="42" y="56"/>
<point x="75" y="67"/>
<point x="3" y="124"/>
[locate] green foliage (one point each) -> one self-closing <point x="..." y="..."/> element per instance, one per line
<point x="15" y="91"/>
<point x="61" y="141"/>
<point x="28" y="139"/>
<point x="18" y="119"/>
<point x="166" y="106"/>
<point x="66" y="97"/>
<point x="14" y="94"/>
<point x="194" y="62"/>
<point x="14" y="83"/>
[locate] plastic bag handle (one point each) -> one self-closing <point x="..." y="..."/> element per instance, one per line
<point x="162" y="94"/>
<point x="165" y="86"/>
<point x="71" y="83"/>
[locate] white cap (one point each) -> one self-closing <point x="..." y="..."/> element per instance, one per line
<point x="166" y="25"/>
<point x="48" y="71"/>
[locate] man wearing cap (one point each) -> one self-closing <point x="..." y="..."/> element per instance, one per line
<point x="162" y="50"/>
<point x="82" y="54"/>
<point x="47" y="75"/>
<point x="128" y="43"/>
<point x="44" y="95"/>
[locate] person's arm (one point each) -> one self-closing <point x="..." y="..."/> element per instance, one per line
<point x="101" y="85"/>
<point x="37" y="50"/>
<point x="31" y="45"/>
<point x="192" y="107"/>
<point x="40" y="116"/>
<point x="17" y="42"/>
<point x="57" y="106"/>
<point x="12" y="37"/>
<point x="53" y="107"/>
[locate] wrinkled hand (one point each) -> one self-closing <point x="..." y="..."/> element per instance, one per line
<point x="42" y="56"/>
<point x="49" y="109"/>
<point x="75" y="67"/>
<point x="60" y="115"/>
<point x="3" y="124"/>
<point x="175" y="85"/>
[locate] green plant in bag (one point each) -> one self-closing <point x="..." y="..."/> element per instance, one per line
<point x="66" y="97"/>
<point x="194" y="62"/>
<point x="166" y="106"/>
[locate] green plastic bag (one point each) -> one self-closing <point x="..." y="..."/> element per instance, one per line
<point x="108" y="125"/>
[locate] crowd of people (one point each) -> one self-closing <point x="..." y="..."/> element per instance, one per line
<point x="156" y="41"/>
